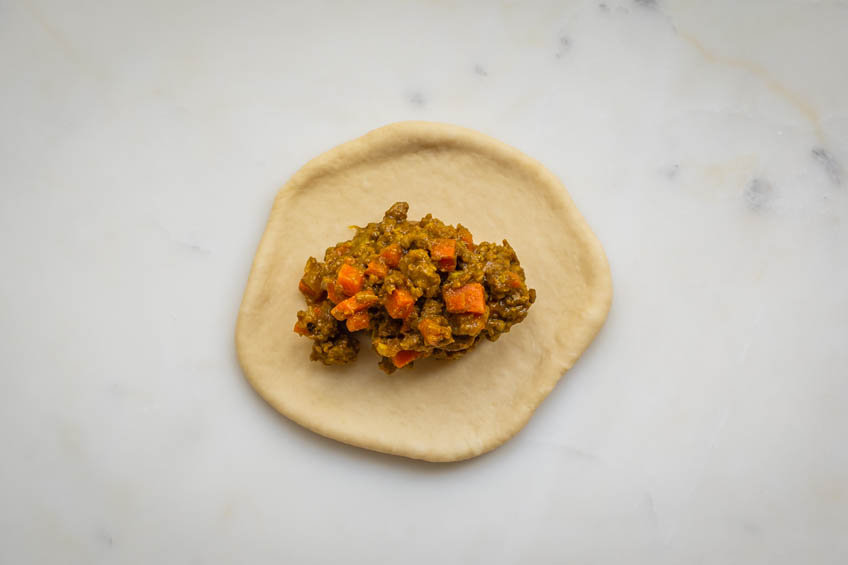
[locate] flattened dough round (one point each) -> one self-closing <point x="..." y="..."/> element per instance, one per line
<point x="436" y="411"/>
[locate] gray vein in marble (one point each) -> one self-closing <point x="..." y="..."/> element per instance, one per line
<point x="417" y="99"/>
<point x="652" y="510"/>
<point x="830" y="164"/>
<point x="758" y="194"/>
<point x="671" y="172"/>
<point x="564" y="44"/>
<point x="105" y="538"/>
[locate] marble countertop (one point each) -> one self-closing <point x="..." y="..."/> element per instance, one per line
<point x="707" y="144"/>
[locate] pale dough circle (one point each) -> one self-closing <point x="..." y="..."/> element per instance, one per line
<point x="438" y="410"/>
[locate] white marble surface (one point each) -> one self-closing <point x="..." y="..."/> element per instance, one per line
<point x="707" y="144"/>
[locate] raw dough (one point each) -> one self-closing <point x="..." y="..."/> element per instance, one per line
<point x="437" y="411"/>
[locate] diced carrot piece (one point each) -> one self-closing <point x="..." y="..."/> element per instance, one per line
<point x="344" y="309"/>
<point x="433" y="332"/>
<point x="444" y="252"/>
<point x="399" y="304"/>
<point x="405" y="357"/>
<point x="350" y="279"/>
<point x="308" y="290"/>
<point x="468" y="298"/>
<point x="428" y="328"/>
<point x="334" y="295"/>
<point x="358" y="321"/>
<point x="475" y="298"/>
<point x="377" y="268"/>
<point x="347" y="308"/>
<point x="465" y="236"/>
<point x="443" y="248"/>
<point x="300" y="329"/>
<point x="454" y="300"/>
<point x="514" y="280"/>
<point x="391" y="255"/>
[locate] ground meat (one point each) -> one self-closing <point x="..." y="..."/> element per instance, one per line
<point x="337" y="351"/>
<point x="419" y="289"/>
<point x="421" y="272"/>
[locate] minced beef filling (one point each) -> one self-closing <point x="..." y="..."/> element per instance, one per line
<point x="419" y="289"/>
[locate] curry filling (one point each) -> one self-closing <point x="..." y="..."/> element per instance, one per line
<point x="420" y="289"/>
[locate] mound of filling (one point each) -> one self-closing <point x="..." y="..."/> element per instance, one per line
<point x="420" y="289"/>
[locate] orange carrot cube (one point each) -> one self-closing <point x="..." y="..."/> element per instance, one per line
<point x="399" y="304"/>
<point x="358" y="321"/>
<point x="443" y="252"/>
<point x="468" y="298"/>
<point x="333" y="294"/>
<point x="405" y="357"/>
<point x="350" y="279"/>
<point x="350" y="306"/>
<point x="475" y="298"/>
<point x="377" y="268"/>
<point x="391" y="255"/>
